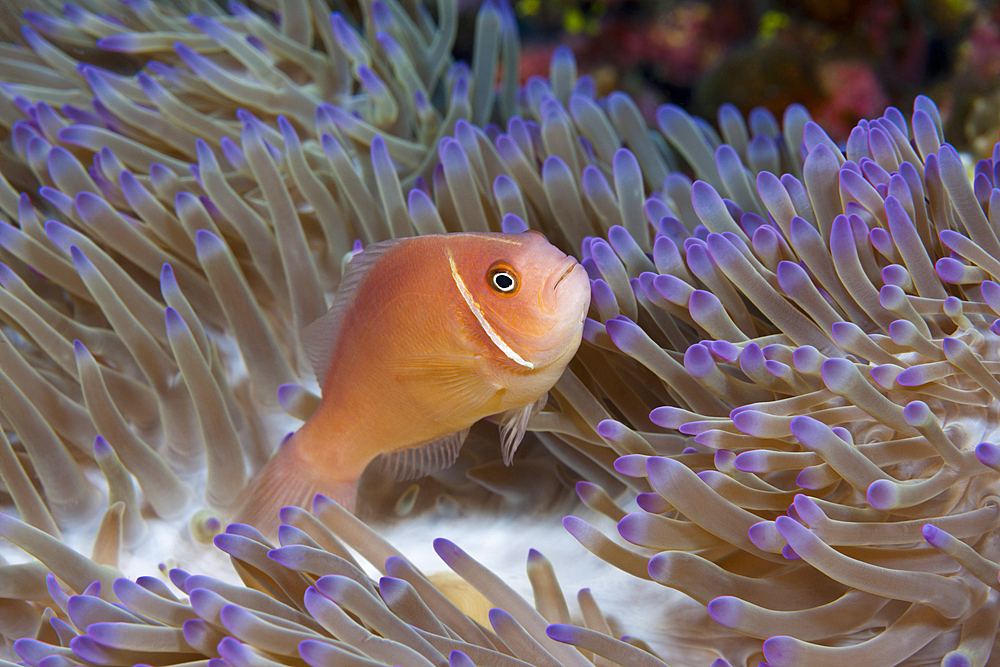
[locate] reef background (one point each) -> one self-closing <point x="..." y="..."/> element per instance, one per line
<point x="845" y="61"/>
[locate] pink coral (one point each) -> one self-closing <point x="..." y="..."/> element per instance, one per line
<point x="853" y="92"/>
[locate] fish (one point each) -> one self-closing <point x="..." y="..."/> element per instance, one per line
<point x="426" y="336"/>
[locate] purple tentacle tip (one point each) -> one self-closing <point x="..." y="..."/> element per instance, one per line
<point x="631" y="465"/>
<point x="459" y="659"/>
<point x="561" y="632"/>
<point x="726" y="610"/>
<point x="286" y="556"/>
<point x="988" y="454"/>
<point x="750" y="462"/>
<point x="991" y="292"/>
<point x="882" y="494"/>
<point x="513" y="224"/>
<point x="781" y="651"/>
<point x="235" y="617"/>
<point x="935" y="537"/>
<point x="102" y="447"/>
<point x="623" y="332"/>
<point x="787" y="526"/>
<point x="725" y="351"/>
<point x="950" y="270"/>
<point x="652" y="502"/>
<point x="910" y="377"/>
<point x="80" y="260"/>
<point x="956" y="659"/>
<point x="574" y="524"/>
<point x="609" y="429"/>
<point x="764" y="536"/>
<point x="885" y="375"/>
<point x="31" y="650"/>
<point x="234" y="651"/>
<point x="807" y="509"/>
<point x="667" y="416"/>
<point x="603" y="297"/>
<point x="177" y="577"/>
<point x="632" y="527"/>
<point x="87" y="649"/>
<point x="287" y="393"/>
<point x="447" y="550"/>
<point x="246" y="531"/>
<point x="751" y="422"/>
<point x="318" y="653"/>
<point x="698" y="361"/>
<point x="206" y="243"/>
<point x="175" y="323"/>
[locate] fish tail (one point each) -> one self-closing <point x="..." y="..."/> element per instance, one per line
<point x="287" y="479"/>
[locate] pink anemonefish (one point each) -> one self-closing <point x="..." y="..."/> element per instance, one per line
<point x="426" y="336"/>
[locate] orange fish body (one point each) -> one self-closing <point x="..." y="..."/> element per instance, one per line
<point x="427" y="335"/>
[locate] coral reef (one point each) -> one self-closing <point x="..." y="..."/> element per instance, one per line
<point x="844" y="61"/>
<point x="786" y="398"/>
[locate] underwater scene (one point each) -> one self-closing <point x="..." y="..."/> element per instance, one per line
<point x="504" y="333"/>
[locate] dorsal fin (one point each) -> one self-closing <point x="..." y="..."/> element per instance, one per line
<point x="414" y="462"/>
<point x="320" y="337"/>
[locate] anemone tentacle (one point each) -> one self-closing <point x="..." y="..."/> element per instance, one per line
<point x="786" y="398"/>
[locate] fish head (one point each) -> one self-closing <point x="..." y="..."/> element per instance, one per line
<point x="532" y="297"/>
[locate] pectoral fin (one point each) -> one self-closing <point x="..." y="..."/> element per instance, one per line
<point x="425" y="459"/>
<point x="448" y="389"/>
<point x="514" y="423"/>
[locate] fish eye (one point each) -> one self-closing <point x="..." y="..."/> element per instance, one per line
<point x="502" y="279"/>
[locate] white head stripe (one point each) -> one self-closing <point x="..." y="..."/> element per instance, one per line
<point x="478" y="312"/>
<point x="490" y="237"/>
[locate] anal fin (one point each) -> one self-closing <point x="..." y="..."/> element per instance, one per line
<point x="422" y="460"/>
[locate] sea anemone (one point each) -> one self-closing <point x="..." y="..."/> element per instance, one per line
<point x="838" y="501"/>
<point x="789" y="370"/>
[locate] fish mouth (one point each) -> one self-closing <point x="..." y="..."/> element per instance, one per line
<point x="571" y="264"/>
<point x="562" y="278"/>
